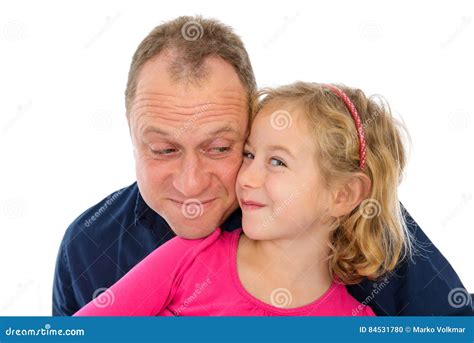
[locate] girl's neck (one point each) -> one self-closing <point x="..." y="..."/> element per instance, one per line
<point x="299" y="264"/>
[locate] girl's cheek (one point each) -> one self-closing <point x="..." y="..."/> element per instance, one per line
<point x="276" y="187"/>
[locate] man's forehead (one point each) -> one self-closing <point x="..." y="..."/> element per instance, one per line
<point x="195" y="97"/>
<point x="221" y="87"/>
<point x="217" y="100"/>
<point x="161" y="72"/>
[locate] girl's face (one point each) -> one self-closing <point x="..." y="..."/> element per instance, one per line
<point x="279" y="186"/>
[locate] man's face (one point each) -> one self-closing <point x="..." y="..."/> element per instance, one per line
<point x="188" y="140"/>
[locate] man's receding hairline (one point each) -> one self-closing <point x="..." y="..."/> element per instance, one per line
<point x="216" y="40"/>
<point x="193" y="80"/>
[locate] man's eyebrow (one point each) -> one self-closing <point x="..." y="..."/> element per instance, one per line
<point x="221" y="130"/>
<point x="153" y="129"/>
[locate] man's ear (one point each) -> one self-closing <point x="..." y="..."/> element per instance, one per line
<point x="350" y="194"/>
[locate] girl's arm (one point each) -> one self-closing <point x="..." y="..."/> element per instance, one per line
<point x="149" y="286"/>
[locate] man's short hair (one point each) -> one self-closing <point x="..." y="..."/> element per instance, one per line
<point x="192" y="39"/>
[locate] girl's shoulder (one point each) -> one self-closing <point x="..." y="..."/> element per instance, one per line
<point x="349" y="305"/>
<point x="218" y="240"/>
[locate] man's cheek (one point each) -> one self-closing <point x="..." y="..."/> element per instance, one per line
<point x="150" y="171"/>
<point x="229" y="177"/>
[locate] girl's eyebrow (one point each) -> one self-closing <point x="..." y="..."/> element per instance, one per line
<point x="282" y="148"/>
<point x="275" y="147"/>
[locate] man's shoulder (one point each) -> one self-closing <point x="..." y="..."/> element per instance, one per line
<point x="422" y="284"/>
<point x="114" y="212"/>
<point x="99" y="246"/>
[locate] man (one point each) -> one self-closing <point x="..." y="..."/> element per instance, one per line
<point x="189" y="94"/>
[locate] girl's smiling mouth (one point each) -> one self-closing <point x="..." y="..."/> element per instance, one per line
<point x="251" y="205"/>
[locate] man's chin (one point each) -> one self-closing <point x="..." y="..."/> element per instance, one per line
<point x="192" y="229"/>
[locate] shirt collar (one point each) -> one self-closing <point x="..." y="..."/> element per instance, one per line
<point x="143" y="213"/>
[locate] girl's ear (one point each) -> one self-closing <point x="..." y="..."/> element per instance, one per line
<point x="350" y="194"/>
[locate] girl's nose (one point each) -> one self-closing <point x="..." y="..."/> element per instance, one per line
<point x="251" y="174"/>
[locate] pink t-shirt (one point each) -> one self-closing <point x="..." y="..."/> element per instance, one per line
<point x="199" y="278"/>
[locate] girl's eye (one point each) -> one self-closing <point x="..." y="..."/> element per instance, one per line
<point x="248" y="155"/>
<point x="277" y="163"/>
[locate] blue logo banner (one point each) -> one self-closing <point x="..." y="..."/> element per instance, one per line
<point x="237" y="329"/>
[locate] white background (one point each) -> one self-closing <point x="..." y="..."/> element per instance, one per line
<point x="64" y="143"/>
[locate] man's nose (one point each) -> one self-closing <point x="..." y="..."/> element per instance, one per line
<point x="193" y="178"/>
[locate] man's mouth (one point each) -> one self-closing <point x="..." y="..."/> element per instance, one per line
<point x="191" y="203"/>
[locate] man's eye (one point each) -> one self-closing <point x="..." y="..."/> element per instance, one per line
<point x="219" y="149"/>
<point x="163" y="151"/>
<point x="277" y="163"/>
<point x="247" y="154"/>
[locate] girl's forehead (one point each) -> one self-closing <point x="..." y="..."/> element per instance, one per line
<point x="283" y="126"/>
<point x="278" y="104"/>
<point x="281" y="117"/>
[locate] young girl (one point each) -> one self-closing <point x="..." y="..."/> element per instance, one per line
<point x="318" y="192"/>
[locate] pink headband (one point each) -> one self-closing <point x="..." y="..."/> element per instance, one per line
<point x="355" y="116"/>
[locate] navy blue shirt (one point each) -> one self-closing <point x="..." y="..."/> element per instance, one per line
<point x="108" y="239"/>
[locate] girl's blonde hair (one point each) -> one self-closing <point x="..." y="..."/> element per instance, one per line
<point x="370" y="240"/>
